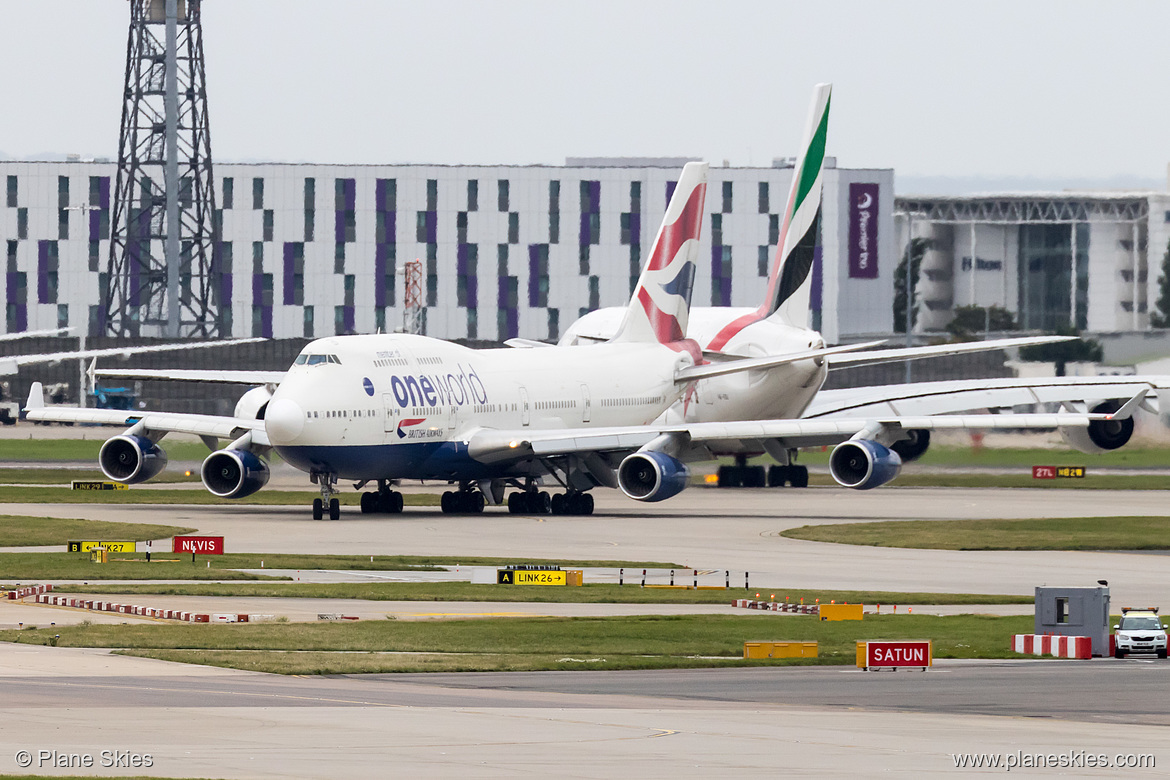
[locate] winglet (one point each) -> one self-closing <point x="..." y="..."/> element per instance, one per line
<point x="1130" y="406"/>
<point x="36" y="397"/>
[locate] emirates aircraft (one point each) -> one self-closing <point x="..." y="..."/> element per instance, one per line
<point x="778" y="326"/>
<point x="377" y="409"/>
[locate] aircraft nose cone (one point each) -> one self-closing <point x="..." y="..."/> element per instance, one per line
<point x="284" y="420"/>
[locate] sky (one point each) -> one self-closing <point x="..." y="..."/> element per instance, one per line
<point x="1041" y="89"/>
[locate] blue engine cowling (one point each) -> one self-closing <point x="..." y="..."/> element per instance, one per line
<point x="131" y="459"/>
<point x="652" y="476"/>
<point x="863" y="464"/>
<point x="234" y="473"/>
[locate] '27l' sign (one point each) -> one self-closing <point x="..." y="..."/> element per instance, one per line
<point x="201" y="545"/>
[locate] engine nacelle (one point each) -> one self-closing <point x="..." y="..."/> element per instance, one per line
<point x="254" y="403"/>
<point x="652" y="476"/>
<point x="913" y="447"/>
<point x="234" y="473"/>
<point x="863" y="464"/>
<point x="1101" y="435"/>
<point x="131" y="459"/>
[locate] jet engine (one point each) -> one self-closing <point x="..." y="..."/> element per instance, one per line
<point x="652" y="476"/>
<point x="863" y="464"/>
<point x="913" y="447"/>
<point x="234" y="473"/>
<point x="1101" y="435"/>
<point x="254" y="403"/>
<point x="131" y="459"/>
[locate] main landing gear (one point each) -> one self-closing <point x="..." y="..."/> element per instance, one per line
<point x="463" y="501"/>
<point x="743" y="475"/>
<point x="384" y="500"/>
<point x="533" y="502"/>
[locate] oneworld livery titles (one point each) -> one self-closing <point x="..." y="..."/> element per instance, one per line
<point x="451" y="389"/>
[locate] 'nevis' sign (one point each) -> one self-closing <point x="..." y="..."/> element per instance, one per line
<point x="202" y="545"/>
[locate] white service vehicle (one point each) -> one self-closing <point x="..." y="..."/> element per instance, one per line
<point x="1140" y="631"/>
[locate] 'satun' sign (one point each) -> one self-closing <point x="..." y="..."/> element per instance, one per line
<point x="878" y="655"/>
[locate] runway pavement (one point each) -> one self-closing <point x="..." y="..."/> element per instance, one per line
<point x="821" y="722"/>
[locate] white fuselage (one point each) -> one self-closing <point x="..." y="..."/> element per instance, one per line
<point x="399" y="406"/>
<point x="783" y="392"/>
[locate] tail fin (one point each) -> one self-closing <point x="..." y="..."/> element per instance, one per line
<point x="661" y="303"/>
<point x="789" y="285"/>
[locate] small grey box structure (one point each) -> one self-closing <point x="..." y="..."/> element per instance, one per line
<point x="1075" y="612"/>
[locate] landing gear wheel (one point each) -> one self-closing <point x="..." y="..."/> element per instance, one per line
<point x="449" y="502"/>
<point x="586" y="504"/>
<point x="730" y="476"/>
<point x="754" y="476"/>
<point x="476" y="503"/>
<point x="778" y="476"/>
<point x="318" y="510"/>
<point x="334" y="509"/>
<point x="543" y="503"/>
<point x="396" y="502"/>
<point x="516" y="503"/>
<point x="561" y="504"/>
<point x="798" y="476"/>
<point x="368" y="503"/>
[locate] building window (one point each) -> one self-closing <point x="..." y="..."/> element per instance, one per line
<point x="229" y="186"/>
<point x="22" y="223"/>
<point x="308" y="323"/>
<point x="554" y="324"/>
<point x="502" y="195"/>
<point x="12" y="192"/>
<point x="513" y="227"/>
<point x="310" y="208"/>
<point x="762" y="261"/>
<point x="473" y="195"/>
<point x="269" y="224"/>
<point x="432" y="194"/>
<point x="63" y="315"/>
<point x="726" y="197"/>
<point x="764" y="205"/>
<point x="257" y="193"/>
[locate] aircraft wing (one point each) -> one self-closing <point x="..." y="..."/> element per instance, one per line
<point x="846" y="359"/>
<point x="966" y="395"/>
<point x="204" y="425"/>
<point x="226" y="376"/>
<point x="11" y="363"/>
<point x="496" y="446"/>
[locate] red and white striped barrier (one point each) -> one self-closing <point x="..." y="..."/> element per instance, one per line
<point x="1056" y="646"/>
<point x="777" y="606"/>
<point x="32" y="590"/>
<point x="141" y="611"/>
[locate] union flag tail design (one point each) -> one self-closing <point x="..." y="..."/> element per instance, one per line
<point x="661" y="302"/>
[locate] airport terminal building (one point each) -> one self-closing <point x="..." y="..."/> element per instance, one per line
<point x="1087" y="259"/>
<point x="505" y="251"/>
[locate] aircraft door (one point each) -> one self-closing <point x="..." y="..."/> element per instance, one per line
<point x="586" y="408"/>
<point x="391" y="412"/>
<point x="525" y="417"/>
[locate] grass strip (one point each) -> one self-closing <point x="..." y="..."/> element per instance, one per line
<point x="165" y="565"/>
<point x="24" y="531"/>
<point x="63" y="476"/>
<point x="1066" y="533"/>
<point x="33" y="448"/>
<point x="700" y="640"/>
<point x="597" y="593"/>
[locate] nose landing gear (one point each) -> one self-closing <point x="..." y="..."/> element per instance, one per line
<point x="327" y="483"/>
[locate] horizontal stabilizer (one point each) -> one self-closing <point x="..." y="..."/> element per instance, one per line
<point x="693" y="373"/>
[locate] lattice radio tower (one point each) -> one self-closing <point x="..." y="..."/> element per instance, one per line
<point x="412" y="309"/>
<point x="160" y="273"/>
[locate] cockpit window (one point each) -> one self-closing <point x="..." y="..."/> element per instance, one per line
<point x="316" y="360"/>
